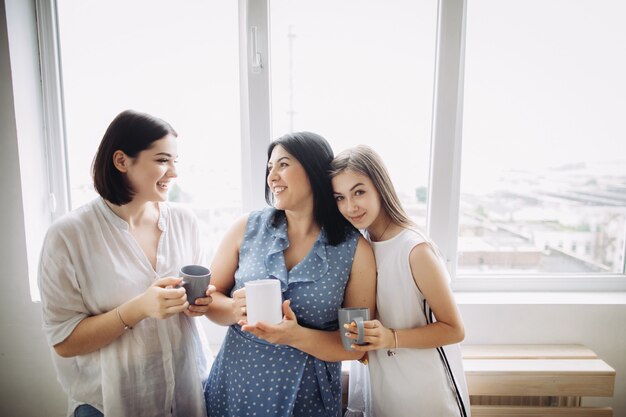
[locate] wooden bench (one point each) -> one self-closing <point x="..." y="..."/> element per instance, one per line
<point x="535" y="380"/>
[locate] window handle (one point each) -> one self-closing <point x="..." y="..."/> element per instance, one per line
<point x="52" y="202"/>
<point x="257" y="64"/>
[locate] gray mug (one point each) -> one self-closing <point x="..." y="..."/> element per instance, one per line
<point x="353" y="314"/>
<point x="196" y="280"/>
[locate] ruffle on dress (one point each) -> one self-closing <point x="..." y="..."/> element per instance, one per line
<point x="275" y="260"/>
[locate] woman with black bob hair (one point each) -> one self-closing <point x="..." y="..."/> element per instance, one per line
<point x="130" y="132"/>
<point x="292" y="368"/>
<point x="122" y="331"/>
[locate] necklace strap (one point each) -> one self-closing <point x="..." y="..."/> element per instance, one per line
<point x="384" y="231"/>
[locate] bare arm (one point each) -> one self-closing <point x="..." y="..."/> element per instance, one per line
<point x="326" y="345"/>
<point x="431" y="277"/>
<point x="225" y="310"/>
<point x="95" y="332"/>
<point x="361" y="288"/>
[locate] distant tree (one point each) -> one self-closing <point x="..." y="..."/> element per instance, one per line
<point x="421" y="193"/>
<point x="583" y="227"/>
<point x="176" y="194"/>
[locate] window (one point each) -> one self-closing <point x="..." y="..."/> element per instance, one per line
<point x="530" y="91"/>
<point x="175" y="60"/>
<point x="359" y="72"/>
<point x="543" y="180"/>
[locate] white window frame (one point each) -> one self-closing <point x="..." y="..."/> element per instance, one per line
<point x="446" y="145"/>
<point x="53" y="107"/>
<point x="445" y="175"/>
<point x="256" y="110"/>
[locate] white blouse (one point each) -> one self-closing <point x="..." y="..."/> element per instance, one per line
<point x="90" y="264"/>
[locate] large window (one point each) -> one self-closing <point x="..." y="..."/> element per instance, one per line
<point x="500" y="117"/>
<point x="544" y="145"/>
<point x="175" y="60"/>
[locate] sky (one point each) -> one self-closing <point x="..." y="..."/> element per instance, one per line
<point x="544" y="84"/>
<point x="543" y="81"/>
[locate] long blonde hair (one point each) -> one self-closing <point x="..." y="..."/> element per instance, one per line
<point x="364" y="160"/>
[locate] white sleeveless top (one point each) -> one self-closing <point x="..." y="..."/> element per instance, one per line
<point x="415" y="382"/>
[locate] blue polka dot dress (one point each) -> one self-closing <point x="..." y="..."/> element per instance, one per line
<point x="252" y="377"/>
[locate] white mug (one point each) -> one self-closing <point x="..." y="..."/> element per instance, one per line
<point x="264" y="301"/>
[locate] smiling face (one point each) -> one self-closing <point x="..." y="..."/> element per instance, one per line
<point x="288" y="181"/>
<point x="150" y="173"/>
<point x="357" y="198"/>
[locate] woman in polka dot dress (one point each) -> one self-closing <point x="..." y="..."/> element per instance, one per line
<point x="292" y="368"/>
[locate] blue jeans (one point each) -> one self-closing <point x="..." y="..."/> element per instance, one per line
<point x="85" y="410"/>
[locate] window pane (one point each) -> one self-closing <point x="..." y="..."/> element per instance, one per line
<point x="356" y="72"/>
<point x="544" y="151"/>
<point x="175" y="60"/>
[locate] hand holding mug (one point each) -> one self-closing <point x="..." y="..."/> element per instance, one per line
<point x="201" y="306"/>
<point x="375" y="336"/>
<point x="161" y="300"/>
<point x="282" y="333"/>
<point x="239" y="305"/>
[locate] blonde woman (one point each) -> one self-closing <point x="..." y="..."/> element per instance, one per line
<point x="411" y="372"/>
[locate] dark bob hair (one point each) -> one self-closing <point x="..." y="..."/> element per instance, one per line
<point x="315" y="155"/>
<point x="130" y="132"/>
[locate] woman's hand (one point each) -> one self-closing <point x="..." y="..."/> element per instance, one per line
<point x="162" y="299"/>
<point x="201" y="306"/>
<point x="239" y="305"/>
<point x="377" y="336"/>
<point x="281" y="333"/>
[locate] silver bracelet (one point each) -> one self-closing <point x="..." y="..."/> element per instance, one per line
<point x="126" y="326"/>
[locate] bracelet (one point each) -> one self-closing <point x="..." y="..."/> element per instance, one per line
<point x="392" y="352"/>
<point x="126" y="326"/>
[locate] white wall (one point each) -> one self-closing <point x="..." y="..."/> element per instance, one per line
<point x="28" y="385"/>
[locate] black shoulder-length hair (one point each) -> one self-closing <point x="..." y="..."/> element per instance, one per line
<point x="130" y="132"/>
<point x="315" y="154"/>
